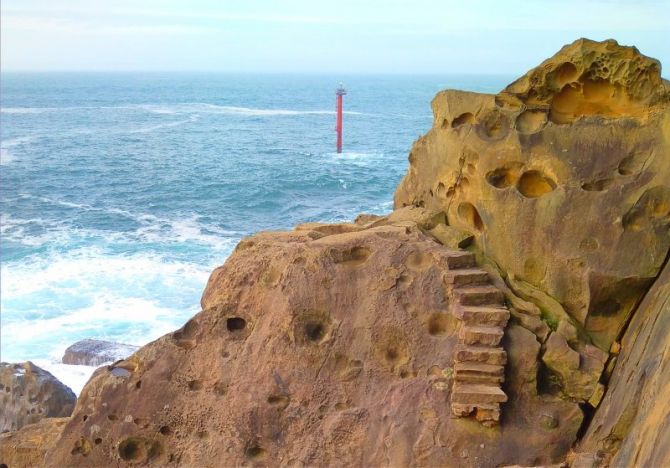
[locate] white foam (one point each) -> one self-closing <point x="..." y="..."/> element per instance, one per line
<point x="74" y="377"/>
<point x="201" y="107"/>
<point x="25" y="110"/>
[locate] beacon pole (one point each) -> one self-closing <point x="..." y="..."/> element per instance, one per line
<point x="339" y="93"/>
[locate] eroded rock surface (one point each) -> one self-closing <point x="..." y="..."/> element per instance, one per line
<point x="382" y="342"/>
<point x="316" y="349"/>
<point x="26" y="447"/>
<point x="632" y="425"/>
<point x="563" y="178"/>
<point x="29" y="393"/>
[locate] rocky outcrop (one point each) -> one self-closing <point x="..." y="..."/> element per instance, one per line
<point x="326" y="345"/>
<point x="563" y="179"/>
<point x="28" y="446"/>
<point x="630" y="428"/>
<point x="29" y="393"/>
<point x="96" y="352"/>
<point x="384" y="342"/>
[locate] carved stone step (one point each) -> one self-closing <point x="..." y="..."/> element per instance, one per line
<point x="477" y="394"/>
<point x="479" y="295"/>
<point x="480" y="379"/>
<point x="478" y="368"/>
<point x="484" y="412"/>
<point x="468" y="276"/>
<point x="458" y="260"/>
<point x="480" y="335"/>
<point x="482" y="354"/>
<point x="482" y="315"/>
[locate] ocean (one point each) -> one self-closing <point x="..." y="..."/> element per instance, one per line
<point x="120" y="192"/>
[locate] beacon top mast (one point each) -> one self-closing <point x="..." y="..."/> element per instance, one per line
<point x="339" y="92"/>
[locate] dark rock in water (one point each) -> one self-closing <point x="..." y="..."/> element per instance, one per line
<point x="29" y="393"/>
<point x="96" y="352"/>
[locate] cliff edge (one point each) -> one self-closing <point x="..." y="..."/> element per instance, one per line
<point x="501" y="315"/>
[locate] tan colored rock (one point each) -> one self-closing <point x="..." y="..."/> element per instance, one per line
<point x="630" y="426"/>
<point x="29" y="393"/>
<point x="563" y="178"/>
<point x="329" y="351"/>
<point x="26" y="447"/>
<point x="451" y="237"/>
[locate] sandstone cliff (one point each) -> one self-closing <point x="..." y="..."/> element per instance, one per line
<point x="499" y="313"/>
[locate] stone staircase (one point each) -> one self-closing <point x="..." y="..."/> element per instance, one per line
<point x="479" y="359"/>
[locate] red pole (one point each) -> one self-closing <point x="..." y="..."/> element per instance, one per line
<point x="340" y="92"/>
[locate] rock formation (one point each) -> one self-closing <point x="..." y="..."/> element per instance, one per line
<point x="29" y="393"/>
<point x="494" y="317"/>
<point x="96" y="352"/>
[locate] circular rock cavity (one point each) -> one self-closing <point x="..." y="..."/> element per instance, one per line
<point x="470" y="216"/>
<point x="439" y="324"/>
<point x="234" y="324"/>
<point x="311" y="327"/>
<point x="467" y="118"/>
<point x="564" y="74"/>
<point x="493" y="126"/>
<point x="502" y="177"/>
<point x="531" y="121"/>
<point x="534" y="184"/>
<point x="139" y="449"/>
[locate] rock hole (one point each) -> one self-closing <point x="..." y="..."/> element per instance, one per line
<point x="98" y="441"/>
<point x="311" y="327"/>
<point x="534" y="184"/>
<point x="185" y="336"/>
<point x="130" y="449"/>
<point x="234" y="324"/>
<point x="353" y="257"/>
<point x="85" y="417"/>
<point x="493" y="126"/>
<point x="2" y="465"/>
<point x="419" y="261"/>
<point x="255" y="452"/>
<point x="438" y="324"/>
<point x="195" y="385"/>
<point x="565" y="73"/>
<point x="530" y="121"/>
<point x="501" y="178"/>
<point x="467" y="118"/>
<point x="138" y="385"/>
<point x="470" y="216"/>
<point x="165" y="430"/>
<point x="112" y="417"/>
<point x="281" y="401"/>
<point x="82" y="447"/>
<point x="404" y="374"/>
<point x="138" y="448"/>
<point x="314" y="331"/>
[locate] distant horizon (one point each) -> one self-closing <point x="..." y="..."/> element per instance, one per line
<point x="431" y="37"/>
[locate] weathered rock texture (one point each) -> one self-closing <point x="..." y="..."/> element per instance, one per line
<point x="96" y="352"/>
<point x="29" y="393"/>
<point x="330" y="345"/>
<point x="632" y="424"/>
<point x="27" y="447"/>
<point x="563" y="178"/>
<point x="382" y="343"/>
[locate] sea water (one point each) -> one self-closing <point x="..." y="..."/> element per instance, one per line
<point x="119" y="193"/>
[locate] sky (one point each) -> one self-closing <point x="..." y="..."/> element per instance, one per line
<point x="316" y="36"/>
